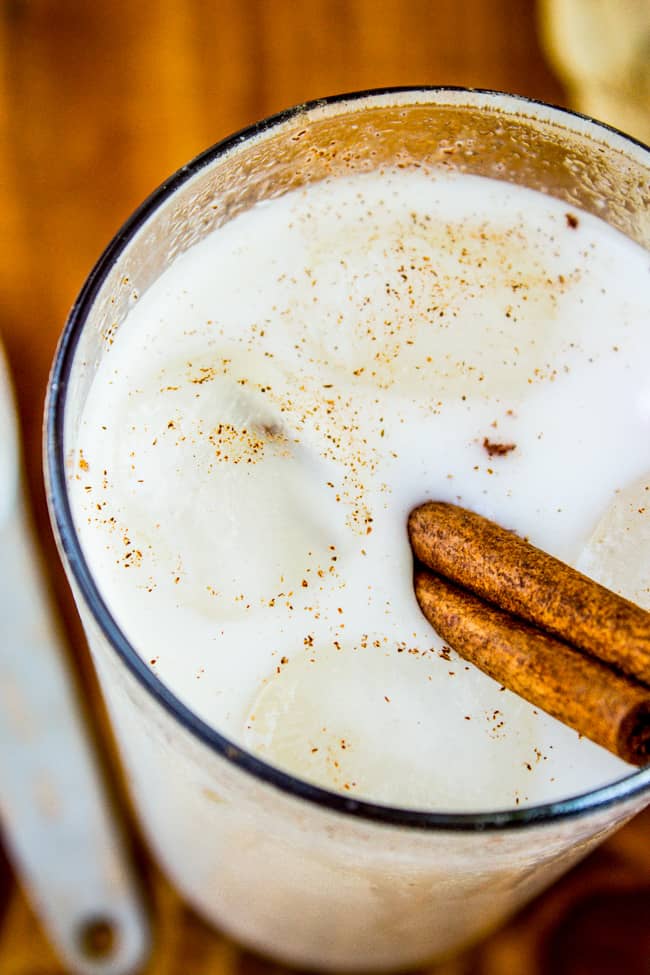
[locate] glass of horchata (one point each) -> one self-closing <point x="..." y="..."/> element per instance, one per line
<point x="348" y="309"/>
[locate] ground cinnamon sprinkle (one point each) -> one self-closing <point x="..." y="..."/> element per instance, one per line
<point x="497" y="449"/>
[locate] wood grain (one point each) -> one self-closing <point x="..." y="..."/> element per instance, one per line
<point x="99" y="102"/>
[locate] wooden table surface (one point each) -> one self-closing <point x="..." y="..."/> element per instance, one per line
<point x="99" y="101"/>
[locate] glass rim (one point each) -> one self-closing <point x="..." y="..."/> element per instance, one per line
<point x="627" y="787"/>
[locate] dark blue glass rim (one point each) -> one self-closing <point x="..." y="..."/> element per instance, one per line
<point x="626" y="788"/>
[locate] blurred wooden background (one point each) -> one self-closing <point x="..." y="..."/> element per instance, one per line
<point x="99" y="101"/>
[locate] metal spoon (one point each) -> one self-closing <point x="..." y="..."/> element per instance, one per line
<point x="54" y="810"/>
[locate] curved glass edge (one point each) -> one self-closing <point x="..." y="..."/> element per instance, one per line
<point x="628" y="787"/>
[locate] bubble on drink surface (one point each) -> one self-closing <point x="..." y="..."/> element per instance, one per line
<point x="358" y="721"/>
<point x="617" y="554"/>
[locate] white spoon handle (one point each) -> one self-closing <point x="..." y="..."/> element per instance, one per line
<point x="55" y="813"/>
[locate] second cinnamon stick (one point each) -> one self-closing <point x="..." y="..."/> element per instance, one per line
<point x="610" y="709"/>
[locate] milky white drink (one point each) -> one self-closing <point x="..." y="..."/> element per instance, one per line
<point x="243" y="448"/>
<point x="274" y="407"/>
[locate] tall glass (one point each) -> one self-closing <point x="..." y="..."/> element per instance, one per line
<point x="305" y="875"/>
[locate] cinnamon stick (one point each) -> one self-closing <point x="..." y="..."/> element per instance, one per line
<point x="610" y="709"/>
<point x="505" y="569"/>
